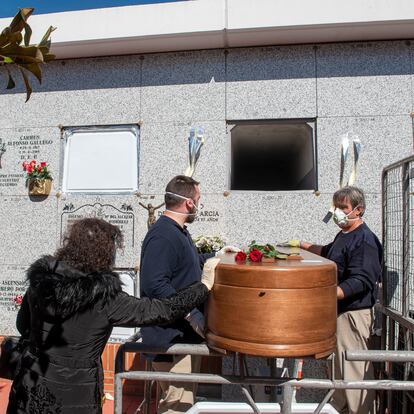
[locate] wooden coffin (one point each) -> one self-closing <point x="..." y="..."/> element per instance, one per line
<point x="282" y="309"/>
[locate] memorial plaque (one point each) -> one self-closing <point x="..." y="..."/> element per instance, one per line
<point x="89" y="149"/>
<point x="210" y="218"/>
<point x="120" y="211"/>
<point x="13" y="286"/>
<point x="16" y="146"/>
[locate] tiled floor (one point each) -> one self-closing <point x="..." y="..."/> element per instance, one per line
<point x="129" y="404"/>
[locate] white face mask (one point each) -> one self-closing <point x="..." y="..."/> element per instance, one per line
<point x="341" y="219"/>
<point x="184" y="198"/>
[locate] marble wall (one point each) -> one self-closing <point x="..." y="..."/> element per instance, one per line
<point x="363" y="88"/>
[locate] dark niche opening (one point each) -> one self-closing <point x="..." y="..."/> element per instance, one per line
<point x="273" y="155"/>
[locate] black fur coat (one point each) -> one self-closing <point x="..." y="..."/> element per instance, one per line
<point x="68" y="317"/>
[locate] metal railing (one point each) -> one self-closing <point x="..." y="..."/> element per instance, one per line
<point x="398" y="277"/>
<point x="288" y="384"/>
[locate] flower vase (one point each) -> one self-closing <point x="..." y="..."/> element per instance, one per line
<point x="40" y="187"/>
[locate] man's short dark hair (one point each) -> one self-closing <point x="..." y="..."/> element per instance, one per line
<point x="181" y="185"/>
<point x="353" y="194"/>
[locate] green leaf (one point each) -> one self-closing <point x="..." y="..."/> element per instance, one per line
<point x="23" y="52"/>
<point x="8" y="38"/>
<point x="27" y="84"/>
<point x="4" y="36"/>
<point x="45" y="39"/>
<point x="10" y="83"/>
<point x="19" y="21"/>
<point x="33" y="68"/>
<point x="48" y="57"/>
<point x="7" y="60"/>
<point x="27" y="34"/>
<point x="26" y="56"/>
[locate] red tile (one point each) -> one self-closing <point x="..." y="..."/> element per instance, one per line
<point x="4" y="394"/>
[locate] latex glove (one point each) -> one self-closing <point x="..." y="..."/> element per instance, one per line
<point x="196" y="320"/>
<point x="290" y="243"/>
<point x="209" y="272"/>
<point x="228" y="249"/>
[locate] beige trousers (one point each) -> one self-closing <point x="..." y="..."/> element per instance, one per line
<point x="177" y="397"/>
<point x="353" y="332"/>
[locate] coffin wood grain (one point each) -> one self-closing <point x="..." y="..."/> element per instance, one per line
<point x="280" y="309"/>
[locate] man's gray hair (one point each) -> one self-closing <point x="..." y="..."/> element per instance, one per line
<point x="352" y="194"/>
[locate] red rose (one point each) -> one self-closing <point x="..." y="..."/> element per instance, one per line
<point x="32" y="162"/>
<point x="29" y="168"/>
<point x="255" y="255"/>
<point x="240" y="256"/>
<point x="39" y="169"/>
<point x="43" y="164"/>
<point x="18" y="300"/>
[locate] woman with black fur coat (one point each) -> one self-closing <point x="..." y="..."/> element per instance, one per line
<point x="67" y="314"/>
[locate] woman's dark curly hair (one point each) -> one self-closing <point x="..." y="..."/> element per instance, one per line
<point x="90" y="245"/>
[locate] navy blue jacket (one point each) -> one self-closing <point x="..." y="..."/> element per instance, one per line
<point x="169" y="263"/>
<point x="358" y="257"/>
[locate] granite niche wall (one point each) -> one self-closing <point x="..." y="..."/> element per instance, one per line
<point x="365" y="88"/>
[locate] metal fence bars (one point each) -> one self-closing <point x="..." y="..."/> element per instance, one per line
<point x="398" y="277"/>
<point x="242" y="379"/>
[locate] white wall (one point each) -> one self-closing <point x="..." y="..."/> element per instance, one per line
<point x="209" y="24"/>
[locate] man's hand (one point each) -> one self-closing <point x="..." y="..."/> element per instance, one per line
<point x="228" y="249"/>
<point x="290" y="243"/>
<point x="196" y="320"/>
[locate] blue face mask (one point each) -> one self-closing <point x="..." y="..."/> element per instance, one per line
<point x="195" y="207"/>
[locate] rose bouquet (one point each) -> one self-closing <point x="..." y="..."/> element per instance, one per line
<point x="259" y="252"/>
<point x="35" y="171"/>
<point x="208" y="244"/>
<point x="38" y="178"/>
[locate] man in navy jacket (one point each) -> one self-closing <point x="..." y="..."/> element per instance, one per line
<point x="357" y="253"/>
<point x="170" y="262"/>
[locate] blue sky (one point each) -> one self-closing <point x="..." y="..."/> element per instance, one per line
<point x="8" y="8"/>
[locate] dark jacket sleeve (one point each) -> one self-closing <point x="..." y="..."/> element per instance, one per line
<point x="364" y="270"/>
<point x="127" y="310"/>
<point x="326" y="248"/>
<point x="156" y="268"/>
<point x="23" y="317"/>
<point x="204" y="257"/>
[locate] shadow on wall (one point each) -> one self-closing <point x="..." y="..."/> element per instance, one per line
<point x="238" y="65"/>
